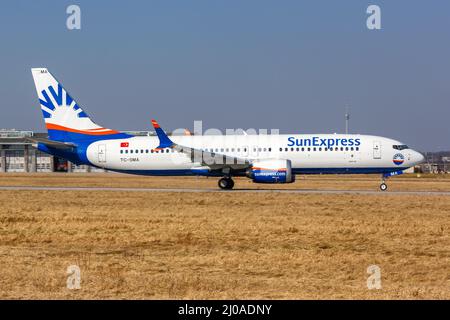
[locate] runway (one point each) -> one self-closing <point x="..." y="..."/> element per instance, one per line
<point x="193" y="190"/>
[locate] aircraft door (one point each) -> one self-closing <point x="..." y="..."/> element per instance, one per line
<point x="377" y="150"/>
<point x="102" y="153"/>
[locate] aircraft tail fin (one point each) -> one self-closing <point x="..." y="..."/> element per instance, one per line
<point x="64" y="119"/>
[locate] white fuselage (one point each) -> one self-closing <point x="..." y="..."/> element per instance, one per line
<point x="321" y="153"/>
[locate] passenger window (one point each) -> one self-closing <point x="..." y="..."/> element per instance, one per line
<point x="126" y="151"/>
<point x="309" y="149"/>
<point x="314" y="149"/>
<point x="131" y="151"/>
<point x="320" y="149"/>
<point x="270" y="149"/>
<point x="286" y="149"/>
<point x="121" y="151"/>
<point x="281" y="149"/>
<point x="357" y="148"/>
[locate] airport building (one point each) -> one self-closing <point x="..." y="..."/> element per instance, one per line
<point x="18" y="155"/>
<point x="436" y="162"/>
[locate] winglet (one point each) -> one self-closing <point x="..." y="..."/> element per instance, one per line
<point x="164" y="140"/>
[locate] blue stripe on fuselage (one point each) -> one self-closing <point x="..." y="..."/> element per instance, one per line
<point x="188" y="172"/>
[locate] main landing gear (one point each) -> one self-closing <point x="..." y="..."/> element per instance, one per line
<point x="226" y="183"/>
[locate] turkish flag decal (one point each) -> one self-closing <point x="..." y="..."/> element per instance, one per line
<point x="124" y="144"/>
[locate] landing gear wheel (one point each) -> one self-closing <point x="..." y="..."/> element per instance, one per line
<point x="383" y="187"/>
<point x="226" y="183"/>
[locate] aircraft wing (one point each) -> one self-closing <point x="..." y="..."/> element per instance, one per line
<point x="52" y="143"/>
<point x="213" y="160"/>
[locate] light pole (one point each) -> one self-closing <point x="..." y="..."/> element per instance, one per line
<point x="347" y="119"/>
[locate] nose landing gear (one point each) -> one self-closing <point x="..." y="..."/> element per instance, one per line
<point x="226" y="183"/>
<point x="383" y="185"/>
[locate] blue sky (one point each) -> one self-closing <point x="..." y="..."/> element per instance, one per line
<point x="291" y="65"/>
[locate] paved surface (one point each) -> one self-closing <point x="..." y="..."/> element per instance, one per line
<point x="193" y="190"/>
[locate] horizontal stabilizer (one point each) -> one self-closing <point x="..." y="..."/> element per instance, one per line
<point x="52" y="143"/>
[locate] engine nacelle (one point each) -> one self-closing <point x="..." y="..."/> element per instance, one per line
<point x="271" y="171"/>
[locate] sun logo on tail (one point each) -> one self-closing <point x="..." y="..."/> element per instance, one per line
<point x="59" y="101"/>
<point x="61" y="112"/>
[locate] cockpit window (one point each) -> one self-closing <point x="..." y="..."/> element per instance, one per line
<point x="400" y="146"/>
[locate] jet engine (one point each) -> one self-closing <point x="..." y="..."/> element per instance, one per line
<point x="271" y="171"/>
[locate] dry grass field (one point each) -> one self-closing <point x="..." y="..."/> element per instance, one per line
<point x="171" y="245"/>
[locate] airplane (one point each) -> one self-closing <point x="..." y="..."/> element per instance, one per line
<point x="72" y="135"/>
